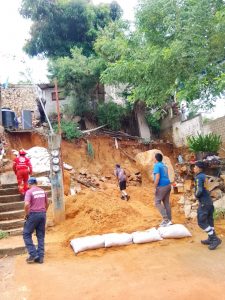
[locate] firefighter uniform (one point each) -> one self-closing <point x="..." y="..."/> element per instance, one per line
<point x="22" y="168"/>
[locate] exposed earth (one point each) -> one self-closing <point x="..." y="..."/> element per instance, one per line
<point x="170" y="269"/>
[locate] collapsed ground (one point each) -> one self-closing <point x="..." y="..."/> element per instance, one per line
<point x="100" y="210"/>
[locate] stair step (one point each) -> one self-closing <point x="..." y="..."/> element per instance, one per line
<point x="11" y="224"/>
<point x="11" y="206"/>
<point x="11" y="198"/>
<point x="13" y="245"/>
<point x="10" y="191"/>
<point x="10" y="215"/>
<point x="9" y="186"/>
<point x="14" y="231"/>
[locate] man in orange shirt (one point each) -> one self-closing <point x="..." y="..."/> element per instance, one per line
<point x="22" y="168"/>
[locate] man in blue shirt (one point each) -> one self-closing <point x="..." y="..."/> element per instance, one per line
<point x="162" y="190"/>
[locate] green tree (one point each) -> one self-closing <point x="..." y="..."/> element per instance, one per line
<point x="78" y="75"/>
<point x="178" y="46"/>
<point x="58" y="26"/>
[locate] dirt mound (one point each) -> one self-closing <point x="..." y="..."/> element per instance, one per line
<point x="97" y="212"/>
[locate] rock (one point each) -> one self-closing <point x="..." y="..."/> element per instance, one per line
<point x="103" y="179"/>
<point x="220" y="204"/>
<point x="193" y="215"/>
<point x="108" y="177"/>
<point x="182" y="200"/>
<point x="216" y="194"/>
<point x="223" y="177"/>
<point x="145" y="162"/>
<point x="83" y="171"/>
<point x="187" y="210"/>
<point x="211" y="185"/>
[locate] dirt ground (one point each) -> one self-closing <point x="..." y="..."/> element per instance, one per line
<point x="172" y="269"/>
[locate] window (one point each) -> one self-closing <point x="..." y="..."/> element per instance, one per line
<point x="61" y="95"/>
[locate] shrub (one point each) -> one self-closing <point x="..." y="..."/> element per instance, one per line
<point x="153" y="122"/>
<point x="69" y="130"/>
<point x="3" y="234"/>
<point x="111" y="114"/>
<point x="205" y="143"/>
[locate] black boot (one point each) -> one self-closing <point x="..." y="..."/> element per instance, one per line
<point x="206" y="242"/>
<point x="214" y="242"/>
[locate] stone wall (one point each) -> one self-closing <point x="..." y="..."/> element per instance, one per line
<point x="18" y="98"/>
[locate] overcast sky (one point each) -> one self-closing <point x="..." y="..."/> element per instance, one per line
<point x="14" y="32"/>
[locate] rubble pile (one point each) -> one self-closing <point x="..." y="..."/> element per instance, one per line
<point x="84" y="177"/>
<point x="216" y="187"/>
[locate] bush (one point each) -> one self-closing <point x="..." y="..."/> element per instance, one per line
<point x="111" y="114"/>
<point x="69" y="130"/>
<point x="3" y="234"/>
<point x="205" y="143"/>
<point x="153" y="122"/>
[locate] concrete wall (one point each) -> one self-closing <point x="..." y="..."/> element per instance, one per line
<point x="50" y="105"/>
<point x="182" y="130"/>
<point x="216" y="126"/>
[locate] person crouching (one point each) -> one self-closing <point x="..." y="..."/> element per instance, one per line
<point x="206" y="208"/>
<point x="122" y="180"/>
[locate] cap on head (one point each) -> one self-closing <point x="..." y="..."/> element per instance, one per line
<point x="200" y="164"/>
<point x="117" y="166"/>
<point x="22" y="152"/>
<point x="32" y="180"/>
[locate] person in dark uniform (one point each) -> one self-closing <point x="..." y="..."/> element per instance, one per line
<point x="36" y="205"/>
<point x="206" y="208"/>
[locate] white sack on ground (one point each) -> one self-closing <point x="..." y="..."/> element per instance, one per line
<point x="40" y="159"/>
<point x="43" y="181"/>
<point x="175" y="231"/>
<point x="87" y="243"/>
<point x="117" y="239"/>
<point x="151" y="235"/>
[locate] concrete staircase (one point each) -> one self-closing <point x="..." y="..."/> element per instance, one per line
<point x="12" y="219"/>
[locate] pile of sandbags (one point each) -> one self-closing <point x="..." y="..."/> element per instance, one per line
<point x="122" y="239"/>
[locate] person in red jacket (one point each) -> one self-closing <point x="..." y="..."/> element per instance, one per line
<point x="22" y="168"/>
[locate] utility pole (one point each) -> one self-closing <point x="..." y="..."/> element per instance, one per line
<point x="54" y="143"/>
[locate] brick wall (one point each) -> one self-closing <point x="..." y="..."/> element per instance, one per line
<point x="216" y="126"/>
<point x="18" y="98"/>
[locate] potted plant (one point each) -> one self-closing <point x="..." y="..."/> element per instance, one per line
<point x="204" y="145"/>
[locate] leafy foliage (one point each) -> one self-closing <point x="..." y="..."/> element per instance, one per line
<point x="205" y="143"/>
<point x="3" y="234"/>
<point x="153" y="122"/>
<point x="219" y="214"/>
<point x="79" y="75"/>
<point x="69" y="130"/>
<point x="90" y="150"/>
<point x="177" y="46"/>
<point x="58" y="26"/>
<point x="111" y="114"/>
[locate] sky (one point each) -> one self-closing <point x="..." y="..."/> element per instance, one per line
<point x="15" y="31"/>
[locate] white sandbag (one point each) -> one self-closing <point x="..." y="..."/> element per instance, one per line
<point x="87" y="243"/>
<point x="175" y="231"/>
<point x="117" y="239"/>
<point x="67" y="167"/>
<point x="151" y="235"/>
